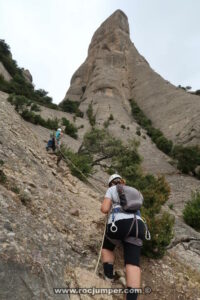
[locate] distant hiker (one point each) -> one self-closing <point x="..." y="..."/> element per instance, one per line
<point x="51" y="143"/>
<point x="58" y="137"/>
<point x="126" y="226"/>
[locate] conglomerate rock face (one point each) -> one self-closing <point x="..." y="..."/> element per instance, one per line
<point x="44" y="227"/>
<point x="115" y="72"/>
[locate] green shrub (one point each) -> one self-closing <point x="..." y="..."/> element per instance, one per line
<point x="164" y="144"/>
<point x="188" y="158"/>
<point x="106" y="124"/>
<point x="28" y="116"/>
<point x="91" y="116"/>
<point x="191" y="212"/>
<point x="139" y="115"/>
<point x="38" y="120"/>
<point x="3" y="177"/>
<point x="154" y="133"/>
<point x="72" y="107"/>
<point x="138" y="132"/>
<point x="6" y="58"/>
<point x="52" y="124"/>
<point x="100" y="142"/>
<point x="111" y="118"/>
<point x="35" y="107"/>
<point x="80" y="164"/>
<point x="123" y="126"/>
<point x="15" y="189"/>
<point x="155" y="191"/>
<point x="161" y="235"/>
<point x="70" y="129"/>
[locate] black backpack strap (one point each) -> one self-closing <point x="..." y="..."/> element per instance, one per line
<point x="113" y="241"/>
<point x="132" y="224"/>
<point x="121" y="194"/>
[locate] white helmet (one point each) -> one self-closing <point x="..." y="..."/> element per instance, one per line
<point x="112" y="177"/>
<point x="59" y="129"/>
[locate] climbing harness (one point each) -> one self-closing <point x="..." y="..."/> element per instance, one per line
<point x="129" y="239"/>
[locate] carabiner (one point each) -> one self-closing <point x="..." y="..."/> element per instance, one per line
<point x="113" y="227"/>
<point x="147" y="235"/>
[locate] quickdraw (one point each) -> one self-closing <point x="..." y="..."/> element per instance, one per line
<point x="147" y="232"/>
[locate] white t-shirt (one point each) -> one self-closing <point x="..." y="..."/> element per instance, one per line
<point x="112" y="194"/>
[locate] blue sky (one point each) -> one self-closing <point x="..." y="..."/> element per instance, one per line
<point x="51" y="37"/>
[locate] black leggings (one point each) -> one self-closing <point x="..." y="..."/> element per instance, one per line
<point x="131" y="252"/>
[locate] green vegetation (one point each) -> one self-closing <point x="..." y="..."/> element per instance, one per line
<point x="38" y="120"/>
<point x="91" y="116"/>
<point x="107" y="123"/>
<point x="70" y="129"/>
<point x="188" y="158"/>
<point x="111" y="118"/>
<point x="123" y="126"/>
<point x="72" y="107"/>
<point x="197" y="92"/>
<point x="171" y="206"/>
<point x="25" y="108"/>
<point x="18" y="85"/>
<point x="78" y="161"/>
<point x="35" y="107"/>
<point x="191" y="212"/>
<point x="3" y="177"/>
<point x="19" y="102"/>
<point x="138" y="132"/>
<point x="156" y="135"/>
<point x="98" y="142"/>
<point x="15" y="189"/>
<point x="161" y="234"/>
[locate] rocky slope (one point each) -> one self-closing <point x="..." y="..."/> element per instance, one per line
<point x="115" y="72"/>
<point x="51" y="227"/>
<point x="44" y="225"/>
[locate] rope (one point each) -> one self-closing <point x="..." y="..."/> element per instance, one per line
<point x="66" y="159"/>
<point x="95" y="271"/>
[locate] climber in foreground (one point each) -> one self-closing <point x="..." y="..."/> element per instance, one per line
<point x="124" y="226"/>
